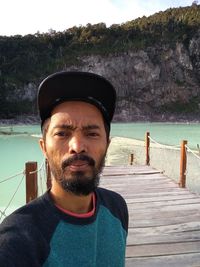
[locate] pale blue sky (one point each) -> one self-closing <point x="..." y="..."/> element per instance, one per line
<point x="29" y="16"/>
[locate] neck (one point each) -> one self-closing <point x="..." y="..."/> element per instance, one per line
<point x="69" y="201"/>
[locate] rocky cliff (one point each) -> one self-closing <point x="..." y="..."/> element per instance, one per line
<point x="161" y="82"/>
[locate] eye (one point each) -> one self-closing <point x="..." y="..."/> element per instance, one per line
<point x="62" y="134"/>
<point x="93" y="134"/>
<point x="59" y="134"/>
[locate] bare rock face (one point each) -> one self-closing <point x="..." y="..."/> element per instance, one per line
<point x="194" y="51"/>
<point x="152" y="81"/>
<point x="27" y="92"/>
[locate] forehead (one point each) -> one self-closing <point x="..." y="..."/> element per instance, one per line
<point x="77" y="111"/>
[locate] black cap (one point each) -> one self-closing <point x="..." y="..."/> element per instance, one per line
<point x="76" y="86"/>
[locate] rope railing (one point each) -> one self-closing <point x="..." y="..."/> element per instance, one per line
<point x="162" y="145"/>
<point x="193" y="169"/>
<point x="178" y="174"/>
<point x="192" y="152"/>
<point x="41" y="172"/>
<point x="39" y="169"/>
<point x="11" y="177"/>
<point x="162" y="156"/>
<point x="33" y="175"/>
<point x="120" y="150"/>
<point x="185" y="153"/>
<point x="3" y="213"/>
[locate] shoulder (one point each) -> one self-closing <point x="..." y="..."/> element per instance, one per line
<point x="115" y="203"/>
<point x="25" y="234"/>
<point x="30" y="219"/>
<point x="27" y="212"/>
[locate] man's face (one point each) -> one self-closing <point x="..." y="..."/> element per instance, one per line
<point x="75" y="146"/>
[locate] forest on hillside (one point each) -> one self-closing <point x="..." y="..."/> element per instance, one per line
<point x="29" y="58"/>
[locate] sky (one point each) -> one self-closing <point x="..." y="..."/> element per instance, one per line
<point x="32" y="16"/>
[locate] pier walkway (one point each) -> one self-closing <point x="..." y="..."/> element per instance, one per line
<point x="164" y="220"/>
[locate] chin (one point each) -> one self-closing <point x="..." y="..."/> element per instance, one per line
<point x="80" y="184"/>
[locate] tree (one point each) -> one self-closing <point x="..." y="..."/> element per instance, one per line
<point x="195" y="3"/>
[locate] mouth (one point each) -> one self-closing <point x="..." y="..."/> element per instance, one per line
<point x="78" y="165"/>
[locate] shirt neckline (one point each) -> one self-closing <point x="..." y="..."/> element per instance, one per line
<point x="78" y="215"/>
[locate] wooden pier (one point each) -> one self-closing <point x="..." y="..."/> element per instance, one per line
<point x="164" y="219"/>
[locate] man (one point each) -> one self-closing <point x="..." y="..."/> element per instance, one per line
<point x="75" y="223"/>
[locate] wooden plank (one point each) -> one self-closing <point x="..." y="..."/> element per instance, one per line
<point x="164" y="220"/>
<point x="165" y="203"/>
<point x="121" y="170"/>
<point x="162" y="249"/>
<point x="164" y="198"/>
<point x="134" y="180"/>
<point x="166" y="229"/>
<point x="140" y="188"/>
<point x="157" y="214"/>
<point x="161" y="221"/>
<point x="125" y="172"/>
<point x="129" y="195"/>
<point x="170" y="193"/>
<point x="137" y="181"/>
<point x="181" y="260"/>
<point x="139" y="239"/>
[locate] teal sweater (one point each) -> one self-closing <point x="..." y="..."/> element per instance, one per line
<point x="39" y="234"/>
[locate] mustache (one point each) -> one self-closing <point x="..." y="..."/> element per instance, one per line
<point x="76" y="157"/>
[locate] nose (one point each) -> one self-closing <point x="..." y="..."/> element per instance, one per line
<point x="77" y="144"/>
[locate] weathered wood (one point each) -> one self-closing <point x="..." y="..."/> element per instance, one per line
<point x="131" y="159"/>
<point x="147" y="146"/>
<point x="179" y="260"/>
<point x="183" y="164"/>
<point x="31" y="181"/>
<point x="161" y="249"/>
<point x="164" y="219"/>
<point x="138" y="239"/>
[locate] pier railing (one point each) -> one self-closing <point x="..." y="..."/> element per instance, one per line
<point x="34" y="178"/>
<point x="178" y="162"/>
<point x="22" y="174"/>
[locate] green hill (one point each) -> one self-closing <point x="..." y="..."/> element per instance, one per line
<point x="26" y="60"/>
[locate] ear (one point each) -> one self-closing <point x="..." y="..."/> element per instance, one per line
<point x="43" y="146"/>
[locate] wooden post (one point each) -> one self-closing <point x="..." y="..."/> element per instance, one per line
<point x="48" y="174"/>
<point x="147" y="146"/>
<point x="31" y="181"/>
<point x="131" y="159"/>
<point x="183" y="163"/>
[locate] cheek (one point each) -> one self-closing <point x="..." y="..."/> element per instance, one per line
<point x="53" y="149"/>
<point x="53" y="155"/>
<point x="101" y="152"/>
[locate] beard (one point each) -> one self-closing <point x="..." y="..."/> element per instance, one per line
<point x="77" y="182"/>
